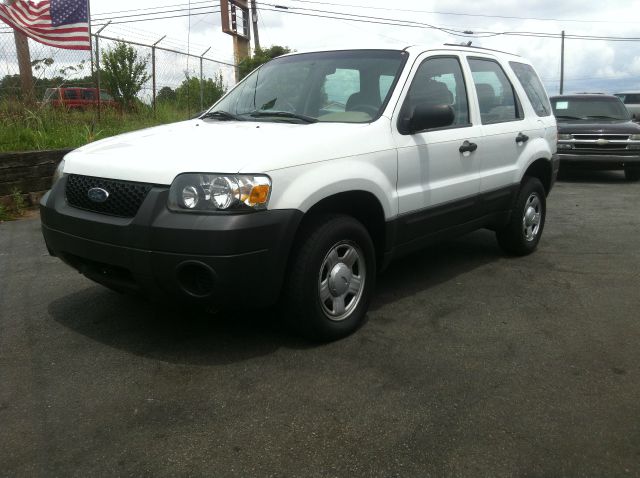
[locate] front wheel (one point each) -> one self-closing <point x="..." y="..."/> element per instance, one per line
<point x="331" y="278"/>
<point x="632" y="173"/>
<point x="522" y="234"/>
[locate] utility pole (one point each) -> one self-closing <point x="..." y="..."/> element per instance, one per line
<point x="24" y="65"/>
<point x="562" y="64"/>
<point x="254" y="20"/>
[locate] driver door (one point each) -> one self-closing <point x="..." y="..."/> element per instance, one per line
<point x="438" y="184"/>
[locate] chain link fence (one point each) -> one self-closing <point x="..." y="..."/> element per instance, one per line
<point x="172" y="72"/>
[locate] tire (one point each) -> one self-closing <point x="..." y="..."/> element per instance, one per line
<point x="331" y="278"/>
<point x="632" y="173"/>
<point x="522" y="234"/>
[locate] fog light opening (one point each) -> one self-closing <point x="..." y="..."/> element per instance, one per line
<point x="195" y="278"/>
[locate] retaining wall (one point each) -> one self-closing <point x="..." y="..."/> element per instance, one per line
<point x="28" y="172"/>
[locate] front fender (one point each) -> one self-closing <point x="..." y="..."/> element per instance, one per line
<point x="301" y="187"/>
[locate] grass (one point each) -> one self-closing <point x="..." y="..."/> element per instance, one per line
<point x="4" y="214"/>
<point x="19" y="204"/>
<point x="25" y="128"/>
<point x="16" y="208"/>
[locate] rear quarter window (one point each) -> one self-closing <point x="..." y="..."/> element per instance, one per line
<point x="532" y="87"/>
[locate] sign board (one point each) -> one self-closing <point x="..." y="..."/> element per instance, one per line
<point x="235" y="18"/>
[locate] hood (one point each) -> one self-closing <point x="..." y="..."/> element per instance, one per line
<point x="157" y="155"/>
<point x="599" y="127"/>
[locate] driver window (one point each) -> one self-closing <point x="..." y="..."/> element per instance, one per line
<point x="439" y="81"/>
<point x="280" y="90"/>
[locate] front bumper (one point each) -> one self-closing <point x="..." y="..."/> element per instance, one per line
<point x="599" y="161"/>
<point x="217" y="259"/>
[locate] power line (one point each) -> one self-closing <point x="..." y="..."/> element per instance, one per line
<point x="109" y="17"/>
<point x="507" y="17"/>
<point x="9" y="30"/>
<point x="359" y="18"/>
<point x="412" y="24"/>
<point x="155" y="8"/>
<point x="159" y="18"/>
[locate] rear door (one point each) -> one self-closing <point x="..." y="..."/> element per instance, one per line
<point x="438" y="184"/>
<point x="506" y="131"/>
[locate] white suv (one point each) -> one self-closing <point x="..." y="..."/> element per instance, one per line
<point x="308" y="177"/>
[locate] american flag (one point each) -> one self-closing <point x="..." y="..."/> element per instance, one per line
<point x="59" y="23"/>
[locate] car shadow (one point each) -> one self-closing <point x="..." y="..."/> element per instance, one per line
<point x="575" y="175"/>
<point x="434" y="265"/>
<point x="181" y="335"/>
<point x="184" y="335"/>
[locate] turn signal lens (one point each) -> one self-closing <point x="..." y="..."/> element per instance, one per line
<point x="259" y="194"/>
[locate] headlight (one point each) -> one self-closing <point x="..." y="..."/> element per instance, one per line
<point x="198" y="192"/>
<point x="564" y="137"/>
<point x="635" y="137"/>
<point x="58" y="173"/>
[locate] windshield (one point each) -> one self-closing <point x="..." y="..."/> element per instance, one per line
<point x="339" y="86"/>
<point x="589" y="108"/>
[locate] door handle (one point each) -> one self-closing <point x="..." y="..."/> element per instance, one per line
<point x="468" y="147"/>
<point x="522" y="138"/>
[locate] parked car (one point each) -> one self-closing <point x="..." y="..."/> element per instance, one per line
<point x="77" y="98"/>
<point x="308" y="177"/>
<point x="596" y="131"/>
<point x="632" y="101"/>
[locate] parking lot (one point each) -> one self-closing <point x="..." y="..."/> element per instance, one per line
<point x="471" y="364"/>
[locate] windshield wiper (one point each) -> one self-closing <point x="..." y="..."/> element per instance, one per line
<point x="569" y="117"/>
<point x="221" y="115"/>
<point x="283" y="114"/>
<point x="603" y="117"/>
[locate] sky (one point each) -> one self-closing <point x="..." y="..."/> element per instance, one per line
<point x="590" y="65"/>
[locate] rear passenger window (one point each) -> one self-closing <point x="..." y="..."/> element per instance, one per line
<point x="439" y="81"/>
<point x="88" y="95"/>
<point x="497" y="99"/>
<point x="532" y="87"/>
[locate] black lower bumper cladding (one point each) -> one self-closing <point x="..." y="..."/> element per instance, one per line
<point x="213" y="258"/>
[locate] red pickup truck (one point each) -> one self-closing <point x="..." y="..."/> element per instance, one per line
<point x="77" y="98"/>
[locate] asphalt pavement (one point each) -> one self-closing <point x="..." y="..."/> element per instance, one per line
<point x="471" y="364"/>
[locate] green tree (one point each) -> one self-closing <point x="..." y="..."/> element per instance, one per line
<point x="166" y="95"/>
<point x="259" y="57"/>
<point x="188" y="93"/>
<point x="124" y="73"/>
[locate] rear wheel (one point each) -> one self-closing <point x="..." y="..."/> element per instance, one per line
<point x="331" y="279"/>
<point x="632" y="173"/>
<point x="522" y="234"/>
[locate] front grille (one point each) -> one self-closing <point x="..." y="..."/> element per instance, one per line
<point x="124" y="198"/>
<point x="599" y="147"/>
<point x="595" y="137"/>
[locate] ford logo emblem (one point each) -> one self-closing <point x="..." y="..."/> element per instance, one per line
<point x="98" y="194"/>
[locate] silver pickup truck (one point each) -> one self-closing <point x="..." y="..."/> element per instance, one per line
<point x="632" y="102"/>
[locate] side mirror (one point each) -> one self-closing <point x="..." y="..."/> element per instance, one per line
<point x="429" y="116"/>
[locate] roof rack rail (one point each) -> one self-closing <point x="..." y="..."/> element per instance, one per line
<point x="469" y="45"/>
